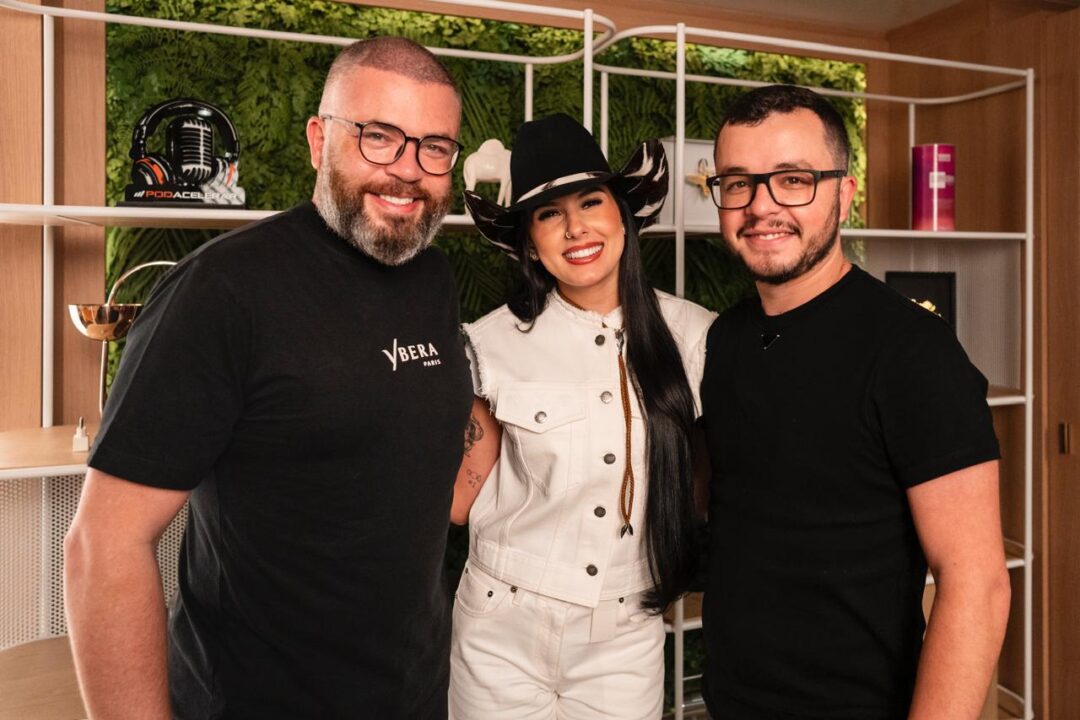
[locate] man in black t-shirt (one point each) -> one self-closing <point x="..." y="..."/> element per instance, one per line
<point x="302" y="384"/>
<point x="851" y="447"/>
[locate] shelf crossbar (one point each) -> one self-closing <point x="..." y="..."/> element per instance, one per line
<point x="830" y="92"/>
<point x="195" y="216"/>
<point x="214" y="29"/>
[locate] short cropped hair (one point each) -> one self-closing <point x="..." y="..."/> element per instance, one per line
<point x="392" y="54"/>
<point x="753" y="107"/>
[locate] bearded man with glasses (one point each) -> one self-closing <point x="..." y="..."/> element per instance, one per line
<point x="851" y="449"/>
<point x="301" y="383"/>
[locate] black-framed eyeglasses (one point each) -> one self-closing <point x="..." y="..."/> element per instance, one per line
<point x="382" y="144"/>
<point x="790" y="188"/>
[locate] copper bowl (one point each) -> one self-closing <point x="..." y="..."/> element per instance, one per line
<point x="104" y="322"/>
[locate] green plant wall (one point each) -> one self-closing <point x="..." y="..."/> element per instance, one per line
<point x="270" y="88"/>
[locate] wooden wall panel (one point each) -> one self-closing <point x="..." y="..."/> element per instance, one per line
<point x="1041" y="35"/>
<point x="884" y="178"/>
<point x="988" y="133"/>
<point x="1062" y="161"/>
<point x="80" y="180"/>
<point x="20" y="247"/>
<point x="80" y="254"/>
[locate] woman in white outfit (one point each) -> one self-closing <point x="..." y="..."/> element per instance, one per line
<point x="576" y="482"/>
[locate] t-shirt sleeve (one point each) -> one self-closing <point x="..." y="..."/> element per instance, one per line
<point x="931" y="403"/>
<point x="179" y="389"/>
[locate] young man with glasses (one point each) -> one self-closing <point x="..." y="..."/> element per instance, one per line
<point x="301" y="383"/>
<point x="851" y="448"/>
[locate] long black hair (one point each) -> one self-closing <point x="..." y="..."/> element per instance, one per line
<point x="658" y="376"/>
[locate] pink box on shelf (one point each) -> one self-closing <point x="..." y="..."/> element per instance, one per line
<point x="933" y="187"/>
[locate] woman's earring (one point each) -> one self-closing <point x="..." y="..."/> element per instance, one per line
<point x="533" y="255"/>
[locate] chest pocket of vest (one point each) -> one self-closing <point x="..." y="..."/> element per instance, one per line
<point x="539" y="422"/>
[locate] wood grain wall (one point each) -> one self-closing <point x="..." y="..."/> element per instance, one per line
<point x="1061" y="129"/>
<point x="20" y="247"/>
<point x="80" y="251"/>
<point x="80" y="180"/>
<point x="989" y="138"/>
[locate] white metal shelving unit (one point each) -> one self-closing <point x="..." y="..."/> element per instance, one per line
<point x="49" y="215"/>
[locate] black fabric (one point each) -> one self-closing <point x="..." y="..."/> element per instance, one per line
<point x="550" y="148"/>
<point x="817" y="421"/>
<point x="315" y="402"/>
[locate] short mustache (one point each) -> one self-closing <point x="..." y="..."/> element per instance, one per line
<point x="772" y="225"/>
<point x="398" y="189"/>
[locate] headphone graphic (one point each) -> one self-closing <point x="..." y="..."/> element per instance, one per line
<point x="189" y="159"/>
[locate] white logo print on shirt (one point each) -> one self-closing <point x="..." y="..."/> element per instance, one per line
<point x="408" y="353"/>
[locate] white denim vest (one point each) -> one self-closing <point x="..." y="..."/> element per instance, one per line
<point x="547" y="518"/>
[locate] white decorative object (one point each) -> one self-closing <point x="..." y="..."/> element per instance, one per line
<point x="698" y="164"/>
<point x="490" y="163"/>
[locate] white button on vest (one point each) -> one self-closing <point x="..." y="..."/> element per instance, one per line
<point x="540" y="416"/>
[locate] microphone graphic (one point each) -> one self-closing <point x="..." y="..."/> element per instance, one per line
<point x="193" y="143"/>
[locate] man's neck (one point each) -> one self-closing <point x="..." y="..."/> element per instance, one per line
<point x="779" y="299"/>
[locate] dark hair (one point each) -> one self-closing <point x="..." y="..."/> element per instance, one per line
<point x="658" y="376"/>
<point x="753" y="107"/>
<point x="392" y="54"/>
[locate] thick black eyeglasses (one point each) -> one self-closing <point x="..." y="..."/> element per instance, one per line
<point x="790" y="188"/>
<point x="383" y="144"/>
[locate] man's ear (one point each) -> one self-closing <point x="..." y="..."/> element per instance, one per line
<point x="316" y="136"/>
<point x="848" y="185"/>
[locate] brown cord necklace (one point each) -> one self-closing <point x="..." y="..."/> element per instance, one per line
<point x="626" y="492"/>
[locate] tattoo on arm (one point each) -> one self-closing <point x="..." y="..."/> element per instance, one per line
<point x="474" y="478"/>
<point x="473" y="433"/>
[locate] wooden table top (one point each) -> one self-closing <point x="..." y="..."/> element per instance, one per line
<point x="37" y="682"/>
<point x="24" y="453"/>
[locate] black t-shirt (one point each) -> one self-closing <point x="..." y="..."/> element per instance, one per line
<point x="813" y="601"/>
<point x="315" y="401"/>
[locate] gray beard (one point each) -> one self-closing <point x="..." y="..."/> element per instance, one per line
<point x="395" y="243"/>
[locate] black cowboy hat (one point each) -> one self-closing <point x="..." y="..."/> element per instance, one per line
<point x="555" y="156"/>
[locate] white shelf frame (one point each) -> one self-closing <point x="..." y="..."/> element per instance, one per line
<point x="49" y="215"/>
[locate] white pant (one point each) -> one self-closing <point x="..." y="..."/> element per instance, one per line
<point x="517" y="655"/>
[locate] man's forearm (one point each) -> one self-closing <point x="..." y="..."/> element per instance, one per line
<point x="116" y="616"/>
<point x="961" y="648"/>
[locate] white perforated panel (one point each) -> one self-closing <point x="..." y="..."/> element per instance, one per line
<point x="61" y="500"/>
<point x="169" y="550"/>
<point x="35" y="514"/>
<point x="20" y="561"/>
